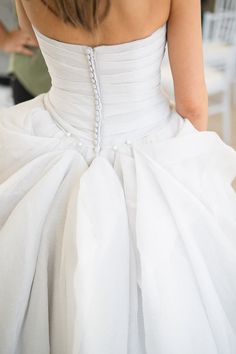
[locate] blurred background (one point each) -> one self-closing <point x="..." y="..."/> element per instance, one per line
<point x="23" y="72"/>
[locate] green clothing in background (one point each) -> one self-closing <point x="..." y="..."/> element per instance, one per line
<point x="31" y="71"/>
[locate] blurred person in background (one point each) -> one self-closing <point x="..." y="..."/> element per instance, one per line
<point x="28" y="72"/>
<point x="9" y="39"/>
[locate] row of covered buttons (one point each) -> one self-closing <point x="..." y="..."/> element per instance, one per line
<point x="98" y="104"/>
<point x="97" y="96"/>
<point x="114" y="147"/>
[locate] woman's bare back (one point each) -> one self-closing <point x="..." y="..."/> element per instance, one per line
<point x="126" y="21"/>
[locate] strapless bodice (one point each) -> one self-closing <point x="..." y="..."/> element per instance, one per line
<point x="107" y="94"/>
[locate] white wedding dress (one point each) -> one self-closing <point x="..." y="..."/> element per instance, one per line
<point x="118" y="217"/>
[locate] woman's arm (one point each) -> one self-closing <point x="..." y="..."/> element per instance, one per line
<point x="185" y="52"/>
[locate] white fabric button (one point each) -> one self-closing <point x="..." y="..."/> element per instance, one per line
<point x="114" y="147"/>
<point x="68" y="133"/>
<point x="97" y="99"/>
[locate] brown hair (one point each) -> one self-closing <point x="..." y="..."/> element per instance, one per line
<point x="86" y="13"/>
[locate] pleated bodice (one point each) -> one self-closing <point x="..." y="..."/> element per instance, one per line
<point x="108" y="94"/>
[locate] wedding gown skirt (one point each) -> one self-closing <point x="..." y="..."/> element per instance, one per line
<point x="118" y="217"/>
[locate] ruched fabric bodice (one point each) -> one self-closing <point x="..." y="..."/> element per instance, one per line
<point x="108" y="94"/>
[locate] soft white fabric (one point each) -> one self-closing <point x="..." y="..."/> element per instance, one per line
<point x="131" y="250"/>
<point x="6" y="99"/>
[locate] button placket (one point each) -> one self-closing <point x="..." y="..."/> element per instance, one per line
<point x="97" y="100"/>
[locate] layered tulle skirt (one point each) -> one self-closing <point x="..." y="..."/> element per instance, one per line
<point x="132" y="251"/>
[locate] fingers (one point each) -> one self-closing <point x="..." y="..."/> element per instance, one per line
<point x="20" y="42"/>
<point x="25" y="39"/>
<point x="24" y="42"/>
<point x="25" y="51"/>
<point x="32" y="42"/>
